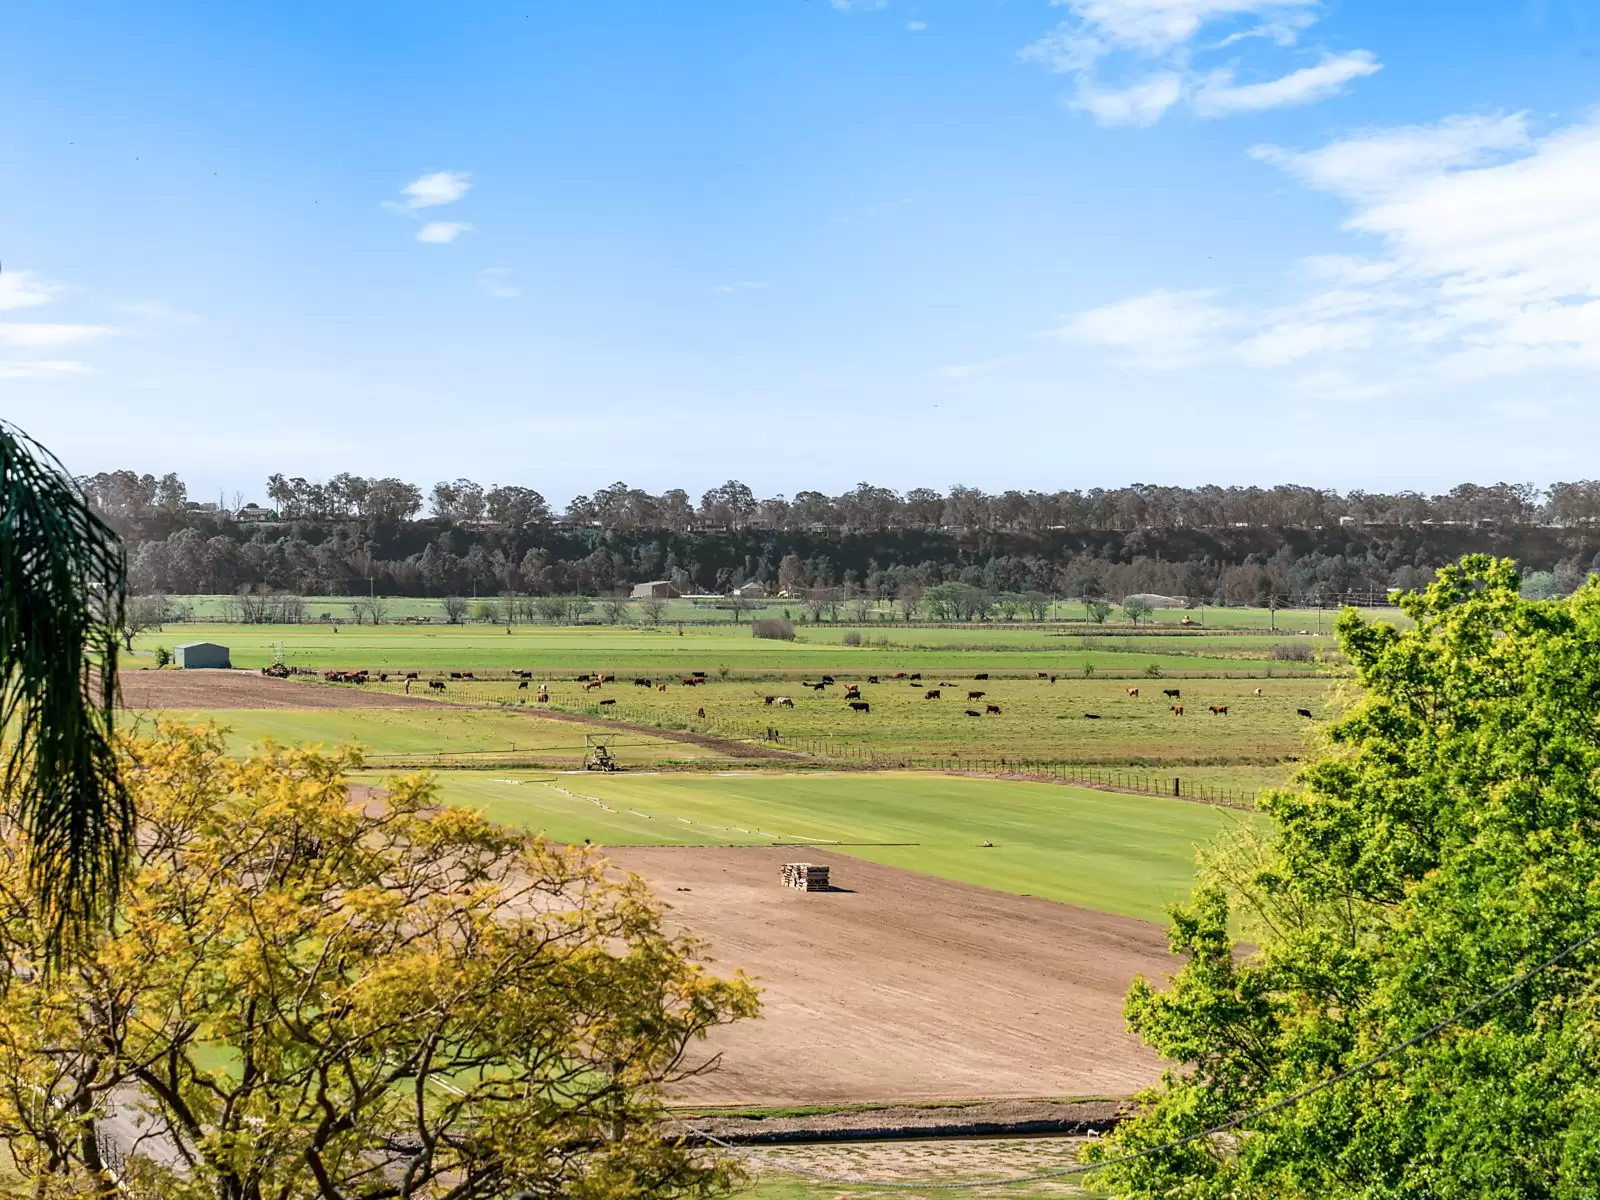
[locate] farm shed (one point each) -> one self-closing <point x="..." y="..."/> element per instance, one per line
<point x="191" y="655"/>
<point x="751" y="591"/>
<point x="656" y="589"/>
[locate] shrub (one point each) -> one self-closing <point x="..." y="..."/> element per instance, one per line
<point x="163" y="656"/>
<point x="851" y="639"/>
<point x="774" y="628"/>
<point x="1292" y="652"/>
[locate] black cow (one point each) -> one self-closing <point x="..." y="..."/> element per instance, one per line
<point x="992" y="708"/>
<point x="860" y="706"/>
<point x="1091" y="716"/>
<point x="1304" y="712"/>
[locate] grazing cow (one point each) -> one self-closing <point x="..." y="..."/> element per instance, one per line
<point x="985" y="675"/>
<point x="872" y="679"/>
<point x="698" y="674"/>
<point x="992" y="708"/>
<point x="1133" y="693"/>
<point x="1177" y="710"/>
<point x="816" y="687"/>
<point x="976" y="695"/>
<point x="590" y="686"/>
<point x="411" y="674"/>
<point x="1091" y="716"/>
<point x="522" y="685"/>
<point x="607" y="678"/>
<point x="827" y="679"/>
<point x="768" y="699"/>
<point x="455" y="674"/>
<point x="1052" y="679"/>
<point x="641" y="683"/>
<point x="1043" y="675"/>
<point x="661" y="687"/>
<point x="690" y="680"/>
<point x="523" y="674"/>
<point x="860" y="706"/>
<point x="916" y="677"/>
<point x="1304" y="712"/>
<point x="852" y="692"/>
<point x="466" y="674"/>
<point x="1171" y="693"/>
<point x="435" y="685"/>
<point x="972" y="712"/>
<point x="701" y="713"/>
<point x="384" y="678"/>
<point x="1219" y="710"/>
<point x="1258" y="691"/>
<point x="898" y="675"/>
<point x="932" y="694"/>
<point x="603" y="703"/>
<point x="785" y="702"/>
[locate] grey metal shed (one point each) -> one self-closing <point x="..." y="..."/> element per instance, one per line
<point x="201" y="654"/>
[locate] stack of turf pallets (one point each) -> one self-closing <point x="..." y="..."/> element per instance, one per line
<point x="806" y="877"/>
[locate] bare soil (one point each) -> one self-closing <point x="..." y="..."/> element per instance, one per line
<point x="901" y="986"/>
<point x="192" y="691"/>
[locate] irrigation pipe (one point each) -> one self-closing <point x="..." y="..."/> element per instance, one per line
<point x="1150" y="1151"/>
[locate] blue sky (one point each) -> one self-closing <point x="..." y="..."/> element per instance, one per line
<point x="1006" y="243"/>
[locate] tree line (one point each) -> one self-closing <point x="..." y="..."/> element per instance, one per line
<point x="354" y="535"/>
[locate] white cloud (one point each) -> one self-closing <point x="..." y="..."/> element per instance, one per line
<point x="916" y="26"/>
<point x="744" y="285"/>
<point x="1484" y="262"/>
<point x="860" y="5"/>
<point x="1149" y="47"/>
<point x="1220" y="96"/>
<point x="1163" y="329"/>
<point x="441" y="187"/>
<point x="442" y="233"/>
<point x="496" y="282"/>
<point x="1142" y="104"/>
<point x="39" y="334"/>
<point x="44" y="369"/>
<point x="24" y="289"/>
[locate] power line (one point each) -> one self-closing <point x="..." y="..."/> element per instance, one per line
<point x="1150" y="1151"/>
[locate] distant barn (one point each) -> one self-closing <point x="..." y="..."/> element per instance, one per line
<point x="192" y="655"/>
<point x="656" y="589"/>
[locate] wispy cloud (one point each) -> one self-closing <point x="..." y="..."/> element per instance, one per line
<point x="1485" y="263"/>
<point x="442" y="233"/>
<point x="44" y="369"/>
<point x="496" y="282"/>
<point x="860" y="5"/>
<point x="744" y="285"/>
<point x="16" y="333"/>
<point x="916" y="26"/>
<point x="1148" y="50"/>
<point x="24" y="289"/>
<point x="158" y="312"/>
<point x="429" y="191"/>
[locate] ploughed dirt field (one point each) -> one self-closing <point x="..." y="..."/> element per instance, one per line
<point x="900" y="986"/>
<point x="198" y="690"/>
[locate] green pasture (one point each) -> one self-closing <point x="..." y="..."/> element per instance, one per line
<point x="1113" y="852"/>
<point x="561" y="649"/>
<point x="428" y="730"/>
<point x="1039" y="721"/>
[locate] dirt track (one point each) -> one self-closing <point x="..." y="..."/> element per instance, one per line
<point x="904" y="986"/>
<point x="195" y="691"/>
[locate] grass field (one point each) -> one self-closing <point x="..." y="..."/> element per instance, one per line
<point x="711" y="648"/>
<point x="422" y="730"/>
<point x="1115" y="853"/>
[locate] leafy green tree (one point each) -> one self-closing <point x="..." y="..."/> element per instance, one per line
<point x="1097" y="610"/>
<point x="1137" y="608"/>
<point x="63" y="592"/>
<point x="306" y="995"/>
<point x="1447" y="839"/>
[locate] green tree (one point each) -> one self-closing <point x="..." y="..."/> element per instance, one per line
<point x="1447" y="839"/>
<point x="1137" y="608"/>
<point x="1097" y="610"/>
<point x="308" y="997"/>
<point x="63" y="595"/>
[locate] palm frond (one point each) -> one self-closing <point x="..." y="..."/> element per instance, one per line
<point x="63" y="589"/>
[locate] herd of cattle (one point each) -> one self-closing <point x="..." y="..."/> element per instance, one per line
<point x="851" y="691"/>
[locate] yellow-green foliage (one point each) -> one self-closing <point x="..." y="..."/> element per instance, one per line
<point x="315" y="997"/>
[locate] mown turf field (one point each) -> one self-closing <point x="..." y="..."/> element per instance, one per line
<point x="548" y="649"/>
<point x="1112" y="852"/>
<point x="431" y="730"/>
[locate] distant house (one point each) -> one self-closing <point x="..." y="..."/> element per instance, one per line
<point x="750" y="591"/>
<point x="192" y="655"/>
<point x="254" y="512"/>
<point x="656" y="589"/>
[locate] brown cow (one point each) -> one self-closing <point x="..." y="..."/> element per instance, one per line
<point x="1133" y="693"/>
<point x="1219" y="710"/>
<point x="701" y="713"/>
<point x="852" y="691"/>
<point x="992" y="708"/>
<point x="1177" y="710"/>
<point x="661" y="687"/>
<point x="976" y="695"/>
